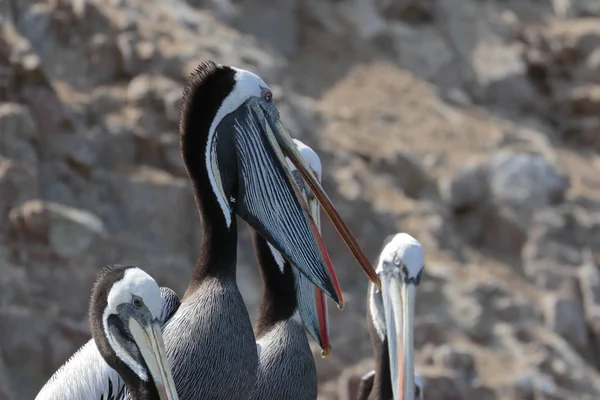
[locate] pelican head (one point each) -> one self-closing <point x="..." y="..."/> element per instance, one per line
<point x="233" y="142"/>
<point x="125" y="311"/>
<point x="400" y="266"/>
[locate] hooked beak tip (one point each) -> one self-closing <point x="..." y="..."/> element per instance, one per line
<point x="325" y="352"/>
<point x="377" y="283"/>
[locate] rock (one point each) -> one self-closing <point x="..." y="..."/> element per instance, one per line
<point x="14" y="283"/>
<point x="171" y="154"/>
<point x="118" y="144"/>
<point x="525" y="183"/>
<point x="348" y="384"/>
<point x="426" y="57"/>
<point x="428" y="332"/>
<point x="472" y="319"/>
<point x="79" y="151"/>
<point x="164" y="222"/>
<point x="364" y="17"/>
<point x="411" y="10"/>
<point x="172" y="104"/>
<point x="18" y="134"/>
<point x="592" y="67"/>
<point x="225" y="10"/>
<point x="24" y="334"/>
<point x="103" y="57"/>
<point x="468" y="188"/>
<point x="139" y="90"/>
<point x="583" y="101"/>
<point x="491" y="62"/>
<point x="84" y="59"/>
<point x="150" y="90"/>
<point x="581" y="8"/>
<point x="105" y="100"/>
<point x="407" y="170"/>
<point x="268" y="16"/>
<point x="564" y="316"/>
<point x="524" y="388"/>
<point x="442" y="387"/>
<point x="69" y="231"/>
<point x="457" y="360"/>
<point x="589" y="280"/>
<point x="554" y="241"/>
<point x="582" y="132"/>
<point x="6" y="392"/>
<point x="147" y="124"/>
<point x="137" y="54"/>
<point x="510" y="310"/>
<point x="479" y="392"/>
<point x="18" y="183"/>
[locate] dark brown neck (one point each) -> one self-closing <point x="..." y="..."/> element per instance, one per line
<point x="279" y="296"/>
<point x="218" y="252"/>
<point x="219" y="238"/>
<point x="382" y="384"/>
<point x="142" y="390"/>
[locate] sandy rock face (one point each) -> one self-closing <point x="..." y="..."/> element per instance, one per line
<point x="471" y="125"/>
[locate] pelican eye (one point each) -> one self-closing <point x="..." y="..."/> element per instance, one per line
<point x="137" y="302"/>
<point x="267" y="95"/>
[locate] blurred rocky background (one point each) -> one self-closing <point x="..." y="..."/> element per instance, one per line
<point x="474" y="125"/>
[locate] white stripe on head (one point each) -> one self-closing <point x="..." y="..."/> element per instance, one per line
<point x="377" y="312"/>
<point x="247" y="84"/>
<point x="404" y="249"/>
<point x="135" y="282"/>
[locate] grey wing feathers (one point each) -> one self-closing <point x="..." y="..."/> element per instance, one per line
<point x="171" y="303"/>
<point x="84" y="376"/>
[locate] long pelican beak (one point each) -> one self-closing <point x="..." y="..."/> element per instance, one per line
<point x="289" y="149"/>
<point x="399" y="305"/>
<point x="311" y="300"/>
<point x="320" y="303"/>
<point x="265" y="195"/>
<point x="148" y="338"/>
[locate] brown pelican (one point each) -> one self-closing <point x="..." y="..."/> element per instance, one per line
<point x="233" y="144"/>
<point x="234" y="147"/>
<point x="86" y="375"/>
<point x="390" y="319"/>
<point x="125" y="311"/>
<point x="286" y="367"/>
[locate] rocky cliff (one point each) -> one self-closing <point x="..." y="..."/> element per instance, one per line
<point x="473" y="125"/>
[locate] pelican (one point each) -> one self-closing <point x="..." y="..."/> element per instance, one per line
<point x="286" y="367"/>
<point x="86" y="375"/>
<point x="390" y="316"/>
<point x="125" y="320"/>
<point x="233" y="145"/>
